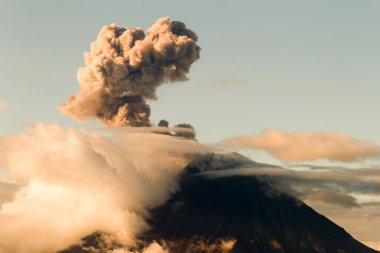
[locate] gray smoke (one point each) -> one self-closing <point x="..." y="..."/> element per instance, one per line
<point x="163" y="123"/>
<point x="182" y="130"/>
<point x="186" y="131"/>
<point x="124" y="69"/>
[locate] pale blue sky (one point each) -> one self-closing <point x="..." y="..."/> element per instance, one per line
<point x="306" y="65"/>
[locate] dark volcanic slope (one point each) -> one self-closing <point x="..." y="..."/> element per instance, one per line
<point x="238" y="214"/>
<point x="244" y="209"/>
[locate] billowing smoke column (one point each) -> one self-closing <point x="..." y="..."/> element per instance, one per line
<point x="124" y="69"/>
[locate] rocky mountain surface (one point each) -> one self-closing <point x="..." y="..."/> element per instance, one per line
<point x="237" y="214"/>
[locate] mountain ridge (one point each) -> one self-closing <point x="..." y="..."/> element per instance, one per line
<point x="237" y="214"/>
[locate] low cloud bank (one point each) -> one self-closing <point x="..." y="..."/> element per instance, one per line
<point x="332" y="186"/>
<point x="71" y="183"/>
<point x="373" y="245"/>
<point x="347" y="196"/>
<point x="307" y="146"/>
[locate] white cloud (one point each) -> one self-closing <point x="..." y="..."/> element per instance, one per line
<point x="73" y="183"/>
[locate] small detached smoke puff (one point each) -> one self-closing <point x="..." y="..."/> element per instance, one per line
<point x="183" y="130"/>
<point x="186" y="131"/>
<point x="124" y="69"/>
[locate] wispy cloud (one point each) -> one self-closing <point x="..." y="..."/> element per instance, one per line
<point x="308" y="146"/>
<point x="3" y="105"/>
<point x="349" y="197"/>
<point x="332" y="186"/>
<point x="226" y="83"/>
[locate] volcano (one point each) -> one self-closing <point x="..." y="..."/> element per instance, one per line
<point x="239" y="214"/>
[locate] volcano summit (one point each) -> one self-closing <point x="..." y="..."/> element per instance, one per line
<point x="238" y="213"/>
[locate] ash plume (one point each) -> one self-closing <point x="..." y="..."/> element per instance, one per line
<point x="125" y="67"/>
